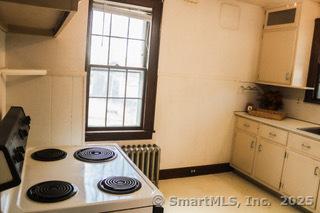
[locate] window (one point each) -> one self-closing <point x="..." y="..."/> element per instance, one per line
<point x="122" y="63"/>
<point x="313" y="96"/>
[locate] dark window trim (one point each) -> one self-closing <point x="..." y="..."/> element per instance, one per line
<point x="151" y="77"/>
<point x="314" y="67"/>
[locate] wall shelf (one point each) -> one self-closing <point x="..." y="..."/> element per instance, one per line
<point x="282" y="85"/>
<point x="45" y="17"/>
<point x="22" y="72"/>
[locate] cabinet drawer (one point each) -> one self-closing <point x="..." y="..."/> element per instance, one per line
<point x="304" y="145"/>
<point x="274" y="134"/>
<point x="247" y="125"/>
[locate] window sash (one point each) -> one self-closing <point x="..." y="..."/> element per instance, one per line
<point x="155" y="7"/>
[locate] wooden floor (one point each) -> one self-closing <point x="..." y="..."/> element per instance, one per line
<point x="218" y="185"/>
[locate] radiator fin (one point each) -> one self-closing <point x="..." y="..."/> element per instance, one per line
<point x="147" y="159"/>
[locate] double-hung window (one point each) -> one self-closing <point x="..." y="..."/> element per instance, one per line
<point x="122" y="62"/>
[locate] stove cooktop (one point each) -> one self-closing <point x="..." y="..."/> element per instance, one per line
<point x="100" y="187"/>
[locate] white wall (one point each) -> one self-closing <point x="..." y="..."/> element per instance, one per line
<point x="202" y="63"/>
<point x="296" y="108"/>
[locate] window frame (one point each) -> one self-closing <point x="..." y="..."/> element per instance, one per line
<point x="150" y="81"/>
<point x="314" y="67"/>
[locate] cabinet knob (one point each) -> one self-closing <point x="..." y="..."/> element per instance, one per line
<point x="272" y="134"/>
<point x="260" y="148"/>
<point x="306" y="146"/>
<point x="246" y="125"/>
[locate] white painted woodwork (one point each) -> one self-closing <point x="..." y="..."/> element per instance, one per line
<point x="284" y="86"/>
<point x="248" y="125"/>
<point x="36" y="17"/>
<point x="299" y="179"/>
<point x="280" y="8"/>
<point x="277" y="56"/>
<point x="274" y="134"/>
<point x="269" y="162"/>
<point x="23" y="72"/>
<point x="243" y="151"/>
<point x="56" y="108"/>
<point x="273" y="3"/>
<point x="285" y="51"/>
<point x="304" y="145"/>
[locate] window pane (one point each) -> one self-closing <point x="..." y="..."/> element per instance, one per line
<point x="96" y="112"/>
<point x="117" y="84"/>
<point x="135" y="84"/>
<point x="137" y="28"/>
<point x="99" y="50"/>
<point x="115" y="112"/>
<point x="133" y="112"/>
<point x="97" y="22"/>
<point x="119" y="26"/>
<point x="98" y="82"/>
<point x="118" y="48"/>
<point x="136" y="53"/>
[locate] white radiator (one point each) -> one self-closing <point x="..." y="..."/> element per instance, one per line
<point x="147" y="159"/>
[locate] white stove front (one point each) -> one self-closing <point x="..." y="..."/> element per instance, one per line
<point x="85" y="176"/>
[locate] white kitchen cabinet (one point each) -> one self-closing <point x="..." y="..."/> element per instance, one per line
<point x="269" y="162"/>
<point x="243" y="151"/>
<point x="300" y="176"/>
<point x="286" y="46"/>
<point x="277" y="56"/>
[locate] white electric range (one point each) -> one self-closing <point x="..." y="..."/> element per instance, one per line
<point x="68" y="179"/>
<point x="96" y="179"/>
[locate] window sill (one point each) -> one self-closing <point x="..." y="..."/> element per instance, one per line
<point x="118" y="135"/>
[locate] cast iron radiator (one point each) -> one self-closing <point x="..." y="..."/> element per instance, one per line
<point x="147" y="159"/>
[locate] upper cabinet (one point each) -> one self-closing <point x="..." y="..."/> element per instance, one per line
<point x="286" y="44"/>
<point x="45" y="17"/>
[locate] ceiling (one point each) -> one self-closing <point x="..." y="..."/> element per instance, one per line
<point x="270" y="3"/>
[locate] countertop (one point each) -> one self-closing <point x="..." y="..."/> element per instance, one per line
<point x="288" y="124"/>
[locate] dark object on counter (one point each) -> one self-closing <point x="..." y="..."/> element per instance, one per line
<point x="271" y="100"/>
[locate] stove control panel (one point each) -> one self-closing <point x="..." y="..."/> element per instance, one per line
<point x="14" y="131"/>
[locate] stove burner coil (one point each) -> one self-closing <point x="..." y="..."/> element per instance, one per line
<point x="119" y="185"/>
<point x="95" y="155"/>
<point x="49" y="155"/>
<point x="51" y="191"/>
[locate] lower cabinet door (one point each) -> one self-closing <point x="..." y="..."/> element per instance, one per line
<point x="243" y="151"/>
<point x="301" y="178"/>
<point x="269" y="162"/>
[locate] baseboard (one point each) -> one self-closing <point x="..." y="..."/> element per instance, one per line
<point x="194" y="171"/>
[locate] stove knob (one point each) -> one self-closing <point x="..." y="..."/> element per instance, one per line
<point x="23" y="133"/>
<point x="20" y="149"/>
<point x="18" y="157"/>
<point x="26" y="120"/>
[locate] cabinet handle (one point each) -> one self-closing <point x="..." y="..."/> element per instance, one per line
<point x="252" y="144"/>
<point x="316" y="171"/>
<point x="306" y="146"/>
<point x="260" y="148"/>
<point x="272" y="134"/>
<point x="246" y="125"/>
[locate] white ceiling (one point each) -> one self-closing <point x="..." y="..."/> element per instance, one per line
<point x="270" y="3"/>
